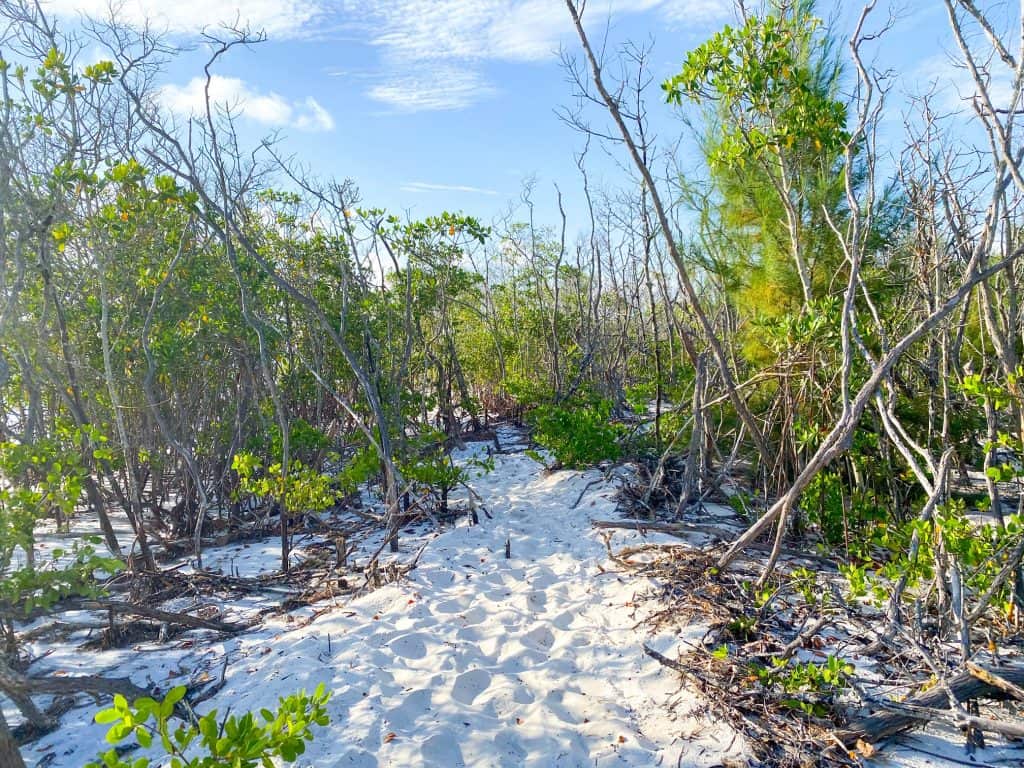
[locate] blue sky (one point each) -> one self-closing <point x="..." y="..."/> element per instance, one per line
<point x="431" y="105"/>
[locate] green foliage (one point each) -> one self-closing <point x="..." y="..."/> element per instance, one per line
<point x="794" y="677"/>
<point x="429" y="464"/>
<point x="70" y="572"/>
<point x="740" y="503"/>
<point x="980" y="550"/>
<point x="245" y="741"/>
<point x="639" y="396"/>
<point x="805" y="582"/>
<point x="39" y="480"/>
<point x="528" y="391"/>
<point x="579" y="434"/>
<point x="742" y="628"/>
<point x="304" y="440"/>
<point x="978" y="389"/>
<point x="362" y="466"/>
<point x="1000" y="395"/>
<point x="816" y="324"/>
<point x="759" y="73"/>
<point x="300" y="489"/>
<point x="841" y="514"/>
<point x="856" y="580"/>
<point x="101" y="72"/>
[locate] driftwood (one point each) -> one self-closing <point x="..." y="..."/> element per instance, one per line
<point x="996" y="680"/>
<point x="681" y="529"/>
<point x="20" y="688"/>
<point x="674" y="529"/>
<point x="184" y="619"/>
<point x="897" y="717"/>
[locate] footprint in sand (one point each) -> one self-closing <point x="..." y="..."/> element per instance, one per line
<point x="359" y="759"/>
<point x="409" y="646"/>
<point x="474" y="616"/>
<point x="537" y="600"/>
<point x="442" y="750"/>
<point x="541" y="637"/>
<point x="414" y="705"/>
<point x="542" y="578"/>
<point x="579" y="640"/>
<point x="470" y="684"/>
<point x="564" y="620"/>
<point x="455" y="605"/>
<point x="511" y="752"/>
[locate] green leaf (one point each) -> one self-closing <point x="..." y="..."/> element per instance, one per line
<point x="176" y="694"/>
<point x="107" y="716"/>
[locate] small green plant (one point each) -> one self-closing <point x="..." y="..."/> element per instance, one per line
<point x="801" y="678"/>
<point x="839" y="513"/>
<point x="741" y="504"/>
<point x="742" y="628"/>
<point x="805" y="582"/>
<point x="429" y="464"/>
<point x="304" y="440"/>
<point x="762" y="595"/>
<point x="535" y="455"/>
<point x="856" y="580"/>
<point x="639" y="396"/>
<point x="246" y="741"/>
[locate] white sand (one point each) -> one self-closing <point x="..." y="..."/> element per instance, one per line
<point x="474" y="660"/>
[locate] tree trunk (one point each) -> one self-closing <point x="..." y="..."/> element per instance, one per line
<point x="10" y="755"/>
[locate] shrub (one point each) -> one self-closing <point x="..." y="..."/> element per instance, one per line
<point x="579" y="434"/>
<point x="246" y="741"/>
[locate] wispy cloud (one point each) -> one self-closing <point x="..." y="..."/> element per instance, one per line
<point x="432" y="50"/>
<point x="279" y="18"/>
<point x="422" y="186"/>
<point x="269" y="108"/>
<point x="951" y="82"/>
<point x="697" y="11"/>
<point x="441" y="87"/>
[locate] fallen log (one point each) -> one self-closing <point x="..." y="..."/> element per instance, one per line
<point x="184" y="619"/>
<point x="675" y="529"/>
<point x="995" y="680"/>
<point x="718" y="530"/>
<point x="904" y="716"/>
<point x="20" y="689"/>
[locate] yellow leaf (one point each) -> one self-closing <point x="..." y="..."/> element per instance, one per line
<point x="865" y="749"/>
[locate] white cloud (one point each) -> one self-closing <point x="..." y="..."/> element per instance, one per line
<point x="697" y="11"/>
<point x="953" y="84"/>
<point x="509" y="30"/>
<point x="423" y="186"/>
<point x="267" y="108"/>
<point x="431" y="50"/>
<point x="279" y="18"/>
<point x="438" y="45"/>
<point x="438" y="87"/>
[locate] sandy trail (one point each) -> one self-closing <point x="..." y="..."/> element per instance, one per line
<point x="475" y="659"/>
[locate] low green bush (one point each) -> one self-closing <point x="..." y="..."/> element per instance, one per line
<point x="246" y="741"/>
<point x="578" y="434"/>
